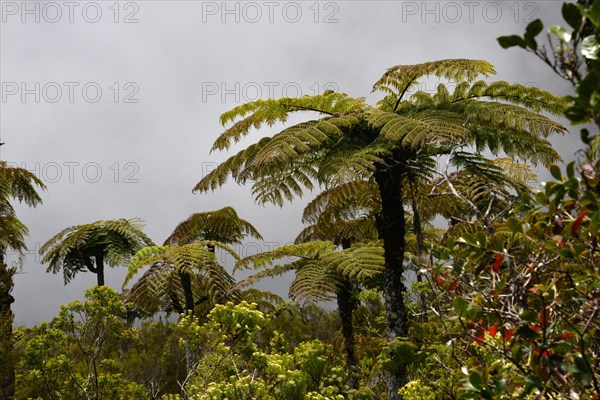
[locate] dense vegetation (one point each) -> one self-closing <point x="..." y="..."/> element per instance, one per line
<point x="503" y="303"/>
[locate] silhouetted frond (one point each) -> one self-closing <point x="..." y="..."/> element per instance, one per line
<point x="223" y="226"/>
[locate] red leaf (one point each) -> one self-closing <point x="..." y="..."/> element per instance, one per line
<point x="493" y="330"/>
<point x="543" y="352"/>
<point x="479" y="335"/>
<point x="577" y="224"/>
<point x="535" y="328"/>
<point x="441" y="281"/>
<point x="566" y="335"/>
<point x="453" y="285"/>
<point x="497" y="263"/>
<point x="508" y="334"/>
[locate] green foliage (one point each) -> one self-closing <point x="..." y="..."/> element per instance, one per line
<point x="22" y="185"/>
<point x="231" y="366"/>
<point x="574" y="57"/>
<point x="319" y="268"/>
<point x="417" y="390"/>
<point x="524" y="296"/>
<point x="70" y="358"/>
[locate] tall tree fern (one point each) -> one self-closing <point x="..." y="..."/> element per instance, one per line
<point x="22" y="185"/>
<point x="351" y="140"/>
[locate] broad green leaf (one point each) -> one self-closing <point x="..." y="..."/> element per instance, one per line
<point x="528" y="315"/>
<point x="593" y="13"/>
<point x="571" y="170"/>
<point x="476" y="380"/>
<point x="534" y="381"/>
<point x="572" y="15"/>
<point x="555" y="171"/>
<point x="587" y="87"/>
<point x="590" y="47"/>
<point x="533" y="29"/>
<point x="460" y="304"/>
<point x="511" y="41"/>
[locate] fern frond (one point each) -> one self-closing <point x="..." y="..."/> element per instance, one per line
<point x="358" y="263"/>
<point x="271" y="272"/>
<point x="271" y="111"/>
<point x="284" y="183"/>
<point x="233" y="166"/>
<point x="341" y="202"/>
<point x="309" y="250"/>
<point x="529" y="97"/>
<point x="314" y="282"/>
<point x="20" y="184"/>
<point x="399" y="79"/>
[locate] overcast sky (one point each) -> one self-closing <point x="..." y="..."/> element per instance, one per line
<point x="115" y="105"/>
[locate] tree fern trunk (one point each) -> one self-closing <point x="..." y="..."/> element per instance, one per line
<point x="418" y="229"/>
<point x="346" y="304"/>
<point x="100" y="267"/>
<point x="391" y="227"/>
<point x="186" y="283"/>
<point x="7" y="365"/>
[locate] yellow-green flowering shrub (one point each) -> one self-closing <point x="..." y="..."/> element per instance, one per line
<point x="230" y="366"/>
<point x="416" y="390"/>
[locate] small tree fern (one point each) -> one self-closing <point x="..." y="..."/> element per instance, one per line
<point x="88" y="247"/>
<point x="180" y="277"/>
<point x="182" y="270"/>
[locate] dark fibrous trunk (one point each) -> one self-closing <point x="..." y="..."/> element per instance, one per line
<point x="346" y="304"/>
<point x="100" y="267"/>
<point x="391" y="227"/>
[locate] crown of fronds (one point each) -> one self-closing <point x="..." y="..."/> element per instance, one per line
<point x="12" y="233"/>
<point x="19" y="184"/>
<point x="70" y="249"/>
<point x="351" y="140"/>
<point x="320" y="270"/>
<point x="160" y="285"/>
<point x="222" y="225"/>
<point x="22" y="185"/>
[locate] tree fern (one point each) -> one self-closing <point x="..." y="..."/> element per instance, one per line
<point x="22" y="185"/>
<point x="87" y="247"/>
<point x="162" y="285"/>
<point x="386" y="143"/>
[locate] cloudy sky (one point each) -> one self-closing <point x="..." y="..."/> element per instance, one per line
<point x="115" y="105"/>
